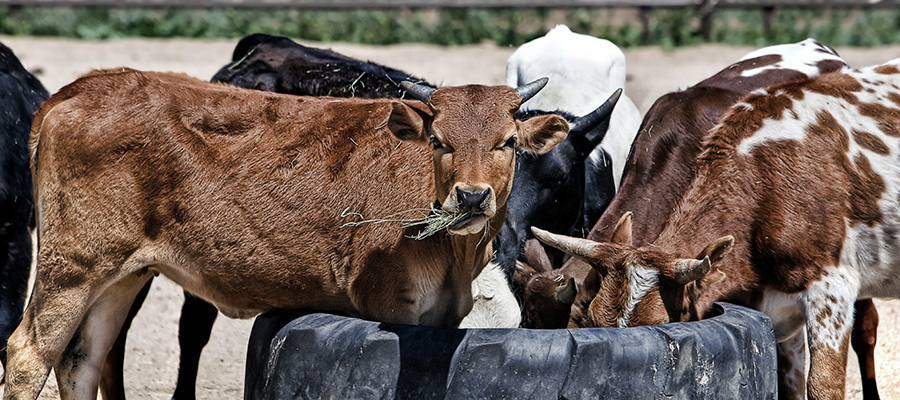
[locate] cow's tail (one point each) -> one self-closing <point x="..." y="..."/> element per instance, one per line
<point x="33" y="150"/>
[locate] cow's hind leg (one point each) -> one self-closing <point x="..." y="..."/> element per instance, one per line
<point x="15" y="266"/>
<point x="791" y="368"/>
<point x="112" y="379"/>
<point x="47" y="325"/>
<point x="863" y="339"/>
<point x="78" y="372"/>
<point x="194" y="329"/>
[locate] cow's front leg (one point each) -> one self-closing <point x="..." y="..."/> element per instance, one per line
<point x="828" y="306"/>
<point x="386" y="293"/>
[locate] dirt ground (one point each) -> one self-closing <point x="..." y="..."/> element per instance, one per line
<point x="152" y="357"/>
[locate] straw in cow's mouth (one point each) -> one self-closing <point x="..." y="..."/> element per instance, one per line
<point x="434" y="219"/>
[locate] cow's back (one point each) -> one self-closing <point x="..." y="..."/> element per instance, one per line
<point x="236" y="182"/>
<point x="818" y="156"/>
<point x="661" y="163"/>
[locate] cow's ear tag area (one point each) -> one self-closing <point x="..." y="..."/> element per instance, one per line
<point x="542" y="133"/>
<point x="408" y="123"/>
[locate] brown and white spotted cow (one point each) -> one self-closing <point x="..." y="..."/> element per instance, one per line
<point x="795" y="204"/>
<point x="238" y="195"/>
<point x="661" y="167"/>
<point x="662" y="162"/>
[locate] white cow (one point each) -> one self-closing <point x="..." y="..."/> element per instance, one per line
<point x="584" y="71"/>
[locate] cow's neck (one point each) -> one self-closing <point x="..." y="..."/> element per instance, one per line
<point x="715" y="205"/>
<point x="472" y="252"/>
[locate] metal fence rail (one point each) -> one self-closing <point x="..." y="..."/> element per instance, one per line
<point x="703" y="8"/>
<point x="439" y="4"/>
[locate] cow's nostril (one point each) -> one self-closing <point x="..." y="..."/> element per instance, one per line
<point x="471" y="200"/>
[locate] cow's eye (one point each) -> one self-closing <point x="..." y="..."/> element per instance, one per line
<point x="435" y="143"/>
<point x="511" y="142"/>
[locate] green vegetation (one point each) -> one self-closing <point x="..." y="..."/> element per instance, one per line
<point x="669" y="28"/>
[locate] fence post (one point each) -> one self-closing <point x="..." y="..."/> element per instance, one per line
<point x="706" y="13"/>
<point x="768" y="16"/>
<point x="644" y="15"/>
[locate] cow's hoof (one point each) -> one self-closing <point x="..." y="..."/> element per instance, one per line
<point x="323" y="356"/>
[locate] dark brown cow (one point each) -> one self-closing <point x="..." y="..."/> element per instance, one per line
<point x="662" y="165"/>
<point x="796" y="202"/>
<point x="238" y="196"/>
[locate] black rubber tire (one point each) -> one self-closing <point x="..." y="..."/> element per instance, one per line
<point x="324" y="356"/>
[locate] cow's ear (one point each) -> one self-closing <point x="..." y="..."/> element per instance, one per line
<point x="542" y="133"/>
<point x="718" y="249"/>
<point x="536" y="256"/>
<point x="408" y="119"/>
<point x="622" y="232"/>
<point x="523" y="274"/>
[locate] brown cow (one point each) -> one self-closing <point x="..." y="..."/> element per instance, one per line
<point x="238" y="196"/>
<point x="795" y="202"/>
<point x="662" y="165"/>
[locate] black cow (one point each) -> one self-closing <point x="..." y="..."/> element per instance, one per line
<point x="550" y="189"/>
<point x="278" y="64"/>
<point x="20" y="96"/>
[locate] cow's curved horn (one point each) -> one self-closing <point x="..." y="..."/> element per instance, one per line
<point x="688" y="270"/>
<point x="419" y="92"/>
<point x="530" y="89"/>
<point x="588" y="122"/>
<point x="581" y="248"/>
<point x="566" y="294"/>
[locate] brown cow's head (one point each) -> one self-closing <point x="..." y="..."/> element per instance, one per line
<point x="641" y="285"/>
<point x="547" y="293"/>
<point x="474" y="138"/>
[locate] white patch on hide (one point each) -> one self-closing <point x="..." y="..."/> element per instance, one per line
<point x="494" y="306"/>
<point x="828" y="306"/>
<point x="801" y="56"/>
<point x="640" y="280"/>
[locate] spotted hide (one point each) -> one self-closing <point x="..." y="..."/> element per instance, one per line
<point x="662" y="162"/>
<point x="794" y="211"/>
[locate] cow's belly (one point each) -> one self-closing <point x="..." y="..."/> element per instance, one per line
<point x="784" y="311"/>
<point x="240" y="293"/>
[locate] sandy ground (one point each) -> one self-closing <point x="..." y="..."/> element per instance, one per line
<point x="152" y="357"/>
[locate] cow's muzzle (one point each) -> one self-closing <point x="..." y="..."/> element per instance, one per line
<point x="474" y="201"/>
<point x="477" y="205"/>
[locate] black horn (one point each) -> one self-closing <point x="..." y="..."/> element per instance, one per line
<point x="584" y="133"/>
<point x="588" y="122"/>
<point x="417" y="91"/>
<point x="530" y="89"/>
